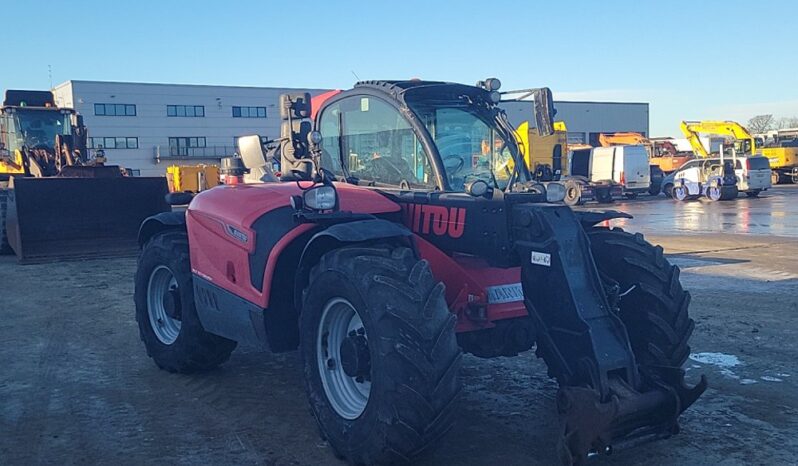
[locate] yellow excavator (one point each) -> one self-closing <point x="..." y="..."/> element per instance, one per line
<point x="782" y="153"/>
<point x="55" y="201"/>
<point x="783" y="158"/>
<point x="744" y="142"/>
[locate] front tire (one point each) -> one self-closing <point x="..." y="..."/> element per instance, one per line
<point x="603" y="196"/>
<point x="573" y="194"/>
<point x="655" y="306"/>
<point x="754" y="193"/>
<point x="167" y="318"/>
<point x="379" y="353"/>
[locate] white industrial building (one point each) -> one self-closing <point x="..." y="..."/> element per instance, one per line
<point x="146" y="127"/>
<point x="587" y="120"/>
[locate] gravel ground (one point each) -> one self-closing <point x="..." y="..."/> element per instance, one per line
<point x="76" y="386"/>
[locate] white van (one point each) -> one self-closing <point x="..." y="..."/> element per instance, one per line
<point x="753" y="174"/>
<point x="627" y="166"/>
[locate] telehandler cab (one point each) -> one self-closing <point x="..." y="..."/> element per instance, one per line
<point x="398" y="237"/>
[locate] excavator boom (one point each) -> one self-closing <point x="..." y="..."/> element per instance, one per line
<point x="692" y="129"/>
<point x="622" y="139"/>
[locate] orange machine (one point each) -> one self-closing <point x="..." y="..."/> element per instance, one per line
<point x="662" y="153"/>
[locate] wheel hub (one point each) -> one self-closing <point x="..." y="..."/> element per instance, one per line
<point x="163" y="305"/>
<point x="355" y="357"/>
<point x="343" y="358"/>
<point x="171" y="303"/>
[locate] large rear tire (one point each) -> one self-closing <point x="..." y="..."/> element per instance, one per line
<point x="379" y="354"/>
<point x="167" y="318"/>
<point x="5" y="247"/>
<point x="654" y="306"/>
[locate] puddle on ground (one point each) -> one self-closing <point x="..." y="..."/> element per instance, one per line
<point x="768" y="378"/>
<point x="723" y="361"/>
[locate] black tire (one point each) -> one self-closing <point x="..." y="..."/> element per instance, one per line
<point x="603" y="196"/>
<point x="573" y="194"/>
<point x="631" y="195"/>
<point x="414" y="386"/>
<point x="667" y="190"/>
<point x="655" y="311"/>
<point x="194" y="349"/>
<point x="5" y="248"/>
<point x="754" y="193"/>
<point x="728" y="193"/>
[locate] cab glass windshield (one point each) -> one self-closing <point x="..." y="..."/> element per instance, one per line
<point x="36" y="129"/>
<point x="469" y="144"/>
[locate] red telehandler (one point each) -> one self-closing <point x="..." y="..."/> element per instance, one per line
<point x="405" y="229"/>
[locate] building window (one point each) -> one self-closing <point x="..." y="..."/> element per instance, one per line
<point x="249" y="112"/>
<point x="184" y="146"/>
<point x="113" y="143"/>
<point x="576" y="138"/>
<point x="114" y="109"/>
<point x="185" y="110"/>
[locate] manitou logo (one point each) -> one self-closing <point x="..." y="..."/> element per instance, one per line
<point x="437" y="220"/>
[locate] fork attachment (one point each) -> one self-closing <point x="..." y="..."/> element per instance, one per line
<point x="605" y="399"/>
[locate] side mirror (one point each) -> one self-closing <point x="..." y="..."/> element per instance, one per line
<point x="251" y="150"/>
<point x="544" y="112"/>
<point x="479" y="188"/>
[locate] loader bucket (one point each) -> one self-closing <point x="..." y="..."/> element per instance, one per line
<point x="63" y="218"/>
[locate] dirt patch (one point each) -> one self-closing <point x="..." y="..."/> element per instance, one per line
<point x="76" y="385"/>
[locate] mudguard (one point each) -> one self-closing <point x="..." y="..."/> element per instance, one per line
<point x="591" y="218"/>
<point x="157" y="223"/>
<point x="357" y="231"/>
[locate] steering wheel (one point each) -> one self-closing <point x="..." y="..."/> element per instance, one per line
<point x="382" y="166"/>
<point x="452" y="168"/>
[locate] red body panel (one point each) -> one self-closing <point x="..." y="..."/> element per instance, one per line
<point x="467" y="279"/>
<point x="222" y="238"/>
<point x="318" y="101"/>
<point x="219" y="223"/>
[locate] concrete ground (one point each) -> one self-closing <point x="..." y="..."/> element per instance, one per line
<point x="77" y="388"/>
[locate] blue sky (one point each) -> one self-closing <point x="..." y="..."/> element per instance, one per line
<point x="689" y="59"/>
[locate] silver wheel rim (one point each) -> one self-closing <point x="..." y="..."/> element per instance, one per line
<point x="162" y="283"/>
<point x="347" y="395"/>
<point x="713" y="193"/>
<point x="679" y="193"/>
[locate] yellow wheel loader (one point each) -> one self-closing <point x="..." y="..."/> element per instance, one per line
<point x="55" y="202"/>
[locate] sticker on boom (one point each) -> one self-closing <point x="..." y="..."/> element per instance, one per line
<point x="501" y="294"/>
<point x="540" y="258"/>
